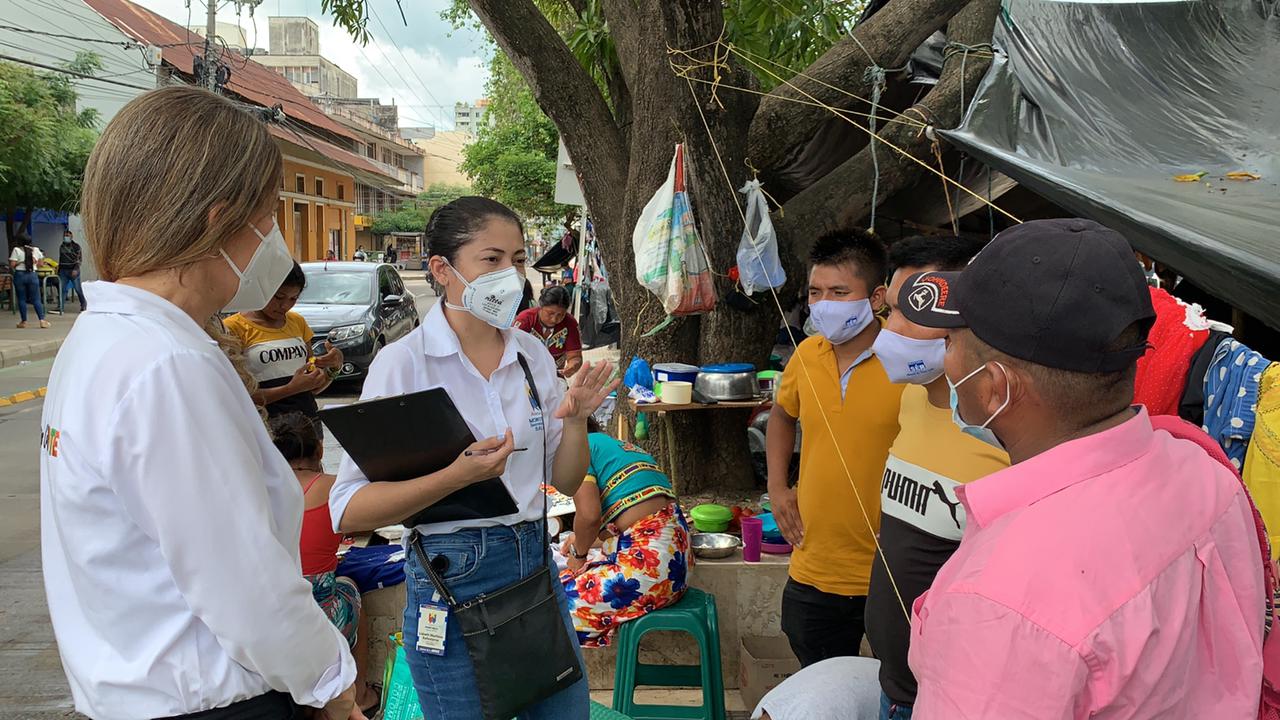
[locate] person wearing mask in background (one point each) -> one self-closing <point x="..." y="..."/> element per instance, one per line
<point x="169" y="522"/>
<point x="390" y="256"/>
<point x="837" y="389"/>
<point x="69" y="257"/>
<point x="359" y="256"/>
<point x="467" y="347"/>
<point x="1114" y="570"/>
<point x="556" y="328"/>
<point x="299" y="440"/>
<point x="24" y="261"/>
<point x="921" y="520"/>
<point x="277" y="348"/>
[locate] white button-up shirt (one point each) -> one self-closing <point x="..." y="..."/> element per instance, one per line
<point x="430" y="357"/>
<point x="170" y="525"/>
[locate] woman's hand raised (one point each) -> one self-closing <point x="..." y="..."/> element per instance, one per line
<point x="588" y="388"/>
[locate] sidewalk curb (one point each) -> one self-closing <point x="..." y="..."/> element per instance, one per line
<point x="14" y="354"/>
<point x="24" y="396"/>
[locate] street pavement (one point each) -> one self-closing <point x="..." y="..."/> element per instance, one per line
<point x="32" y="684"/>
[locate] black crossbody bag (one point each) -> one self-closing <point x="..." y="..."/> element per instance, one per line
<point x="520" y="650"/>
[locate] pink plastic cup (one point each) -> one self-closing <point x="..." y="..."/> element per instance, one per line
<point x="752" y="536"/>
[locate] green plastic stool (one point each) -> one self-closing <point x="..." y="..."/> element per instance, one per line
<point x="600" y="712"/>
<point x="695" y="614"/>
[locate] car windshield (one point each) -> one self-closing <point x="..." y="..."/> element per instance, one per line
<point x="337" y="288"/>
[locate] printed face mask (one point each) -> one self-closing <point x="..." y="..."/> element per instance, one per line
<point x="261" y="278"/>
<point x="980" y="432"/>
<point x="840" y="320"/>
<point x="494" y="297"/>
<point x="908" y="360"/>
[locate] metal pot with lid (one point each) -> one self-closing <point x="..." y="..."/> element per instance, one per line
<point x="728" y="382"/>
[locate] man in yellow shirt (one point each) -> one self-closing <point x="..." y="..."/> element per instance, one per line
<point x="837" y="389"/>
<point x="921" y="518"/>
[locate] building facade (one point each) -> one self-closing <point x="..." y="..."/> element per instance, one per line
<point x="294" y="52"/>
<point x="469" y="117"/>
<point x="322" y="168"/>
<point x="442" y="154"/>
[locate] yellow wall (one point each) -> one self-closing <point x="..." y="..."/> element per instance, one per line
<point x="307" y="223"/>
<point x="443" y="156"/>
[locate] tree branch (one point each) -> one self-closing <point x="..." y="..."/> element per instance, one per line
<point x="565" y="92"/>
<point x="783" y="128"/>
<point x="843" y="197"/>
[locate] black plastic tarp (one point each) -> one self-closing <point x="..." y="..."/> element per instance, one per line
<point x="1098" y="106"/>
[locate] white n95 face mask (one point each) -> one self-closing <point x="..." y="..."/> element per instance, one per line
<point x="261" y="278"/>
<point x="494" y="297"/>
<point x="908" y="360"/>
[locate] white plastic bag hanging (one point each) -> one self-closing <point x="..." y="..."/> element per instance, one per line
<point x="670" y="259"/>
<point x="758" y="265"/>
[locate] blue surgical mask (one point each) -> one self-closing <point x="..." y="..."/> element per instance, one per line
<point x="979" y="432"/>
<point x="840" y="320"/>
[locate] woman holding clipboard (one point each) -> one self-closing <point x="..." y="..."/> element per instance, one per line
<point x="466" y="346"/>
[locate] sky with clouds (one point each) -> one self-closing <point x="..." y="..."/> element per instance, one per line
<point x="440" y="65"/>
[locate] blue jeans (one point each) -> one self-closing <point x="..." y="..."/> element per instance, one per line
<point x="889" y="710"/>
<point x="71" y="283"/>
<point x="28" y="287"/>
<point x="479" y="560"/>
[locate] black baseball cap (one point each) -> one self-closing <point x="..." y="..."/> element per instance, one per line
<point x="1052" y="292"/>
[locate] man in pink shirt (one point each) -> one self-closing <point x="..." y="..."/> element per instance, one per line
<point x="1114" y="570"/>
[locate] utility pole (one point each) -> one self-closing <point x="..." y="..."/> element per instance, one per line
<point x="210" y="76"/>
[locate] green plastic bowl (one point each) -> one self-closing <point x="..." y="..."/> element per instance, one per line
<point x="710" y="517"/>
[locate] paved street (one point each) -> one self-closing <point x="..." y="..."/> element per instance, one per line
<point x="32" y="685"/>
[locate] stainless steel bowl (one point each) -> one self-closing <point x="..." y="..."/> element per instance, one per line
<point x="728" y="386"/>
<point x="714" y="545"/>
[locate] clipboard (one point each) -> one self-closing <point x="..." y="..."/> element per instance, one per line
<point x="399" y="438"/>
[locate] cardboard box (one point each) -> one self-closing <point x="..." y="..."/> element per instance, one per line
<point x="764" y="662"/>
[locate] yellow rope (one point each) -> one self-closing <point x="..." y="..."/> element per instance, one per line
<point x="879" y="138"/>
<point x="798" y="357"/>
<point x="955" y="223"/>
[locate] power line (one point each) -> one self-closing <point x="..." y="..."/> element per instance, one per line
<point x="126" y="44"/>
<point x="408" y="64"/>
<point x="57" y="58"/>
<point x="73" y="73"/>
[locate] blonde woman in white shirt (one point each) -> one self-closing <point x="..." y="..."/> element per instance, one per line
<point x="466" y="345"/>
<point x="169" y="521"/>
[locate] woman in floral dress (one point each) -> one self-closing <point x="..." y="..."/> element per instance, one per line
<point x="629" y="503"/>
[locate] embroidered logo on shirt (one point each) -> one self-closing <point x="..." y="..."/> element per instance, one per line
<point x="49" y="440"/>
<point x="535" y="417"/>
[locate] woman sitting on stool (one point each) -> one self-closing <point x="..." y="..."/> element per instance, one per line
<point x="628" y="501"/>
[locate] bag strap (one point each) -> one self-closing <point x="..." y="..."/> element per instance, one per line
<point x="537" y="403"/>
<point x="416" y="540"/>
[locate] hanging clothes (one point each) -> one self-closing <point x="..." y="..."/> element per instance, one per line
<point x="1262" y="463"/>
<point x="1180" y="330"/>
<point x="1231" y="397"/>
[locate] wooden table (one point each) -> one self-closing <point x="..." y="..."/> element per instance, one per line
<point x="662" y="409"/>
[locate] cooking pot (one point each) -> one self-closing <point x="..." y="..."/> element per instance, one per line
<point x="728" y="382"/>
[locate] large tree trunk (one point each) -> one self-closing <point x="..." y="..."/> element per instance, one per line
<point x="842" y="198"/>
<point x="623" y="154"/>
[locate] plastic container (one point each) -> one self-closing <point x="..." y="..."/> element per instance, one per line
<point x="710" y="517"/>
<point x="675" y="392"/>
<point x="680" y="372"/>
<point x="729" y="368"/>
<point x="752" y="536"/>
